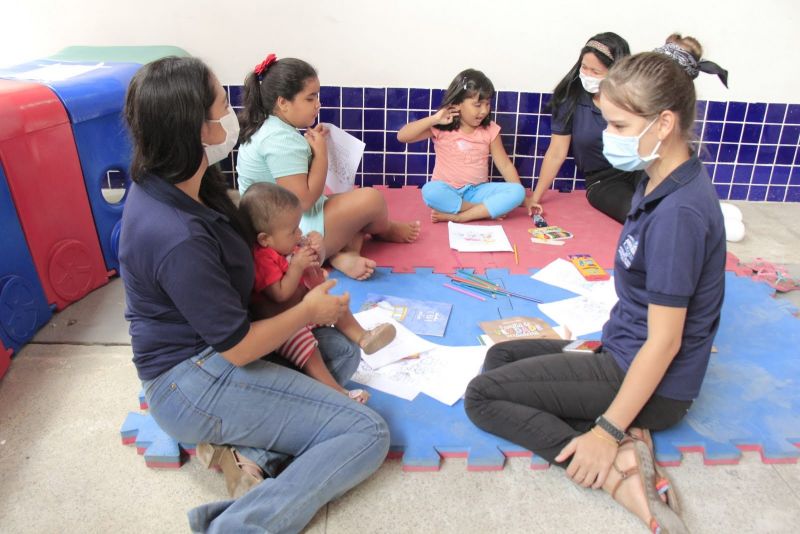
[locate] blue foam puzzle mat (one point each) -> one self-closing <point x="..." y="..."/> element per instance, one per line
<point x="159" y="449"/>
<point x="749" y="401"/>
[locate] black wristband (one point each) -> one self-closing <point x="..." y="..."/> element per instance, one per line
<point x="609" y="427"/>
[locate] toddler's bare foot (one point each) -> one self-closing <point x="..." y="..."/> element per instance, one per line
<point x="359" y="395"/>
<point x="353" y="265"/>
<point x="401" y="232"/>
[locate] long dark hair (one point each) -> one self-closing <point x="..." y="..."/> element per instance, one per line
<point x="167" y="103"/>
<point x="467" y="84"/>
<point x="286" y="77"/>
<point x="570" y="88"/>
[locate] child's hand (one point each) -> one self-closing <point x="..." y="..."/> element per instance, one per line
<point x="321" y="128"/>
<point x="316" y="139"/>
<point x="446" y="115"/>
<point x="315" y="241"/>
<point x="532" y="206"/>
<point x="305" y="257"/>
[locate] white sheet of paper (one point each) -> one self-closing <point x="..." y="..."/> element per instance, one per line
<point x="344" y="155"/>
<point x="478" y="238"/>
<point x="445" y="372"/>
<point x="405" y="344"/>
<point x="582" y="315"/>
<point x="442" y="373"/>
<point x="56" y="72"/>
<point x="388" y="383"/>
<point x="562" y="273"/>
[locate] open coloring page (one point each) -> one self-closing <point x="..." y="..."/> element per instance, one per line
<point x="582" y="315"/>
<point x="405" y="343"/>
<point x="562" y="273"/>
<point x="344" y="155"/>
<point x="478" y="238"/>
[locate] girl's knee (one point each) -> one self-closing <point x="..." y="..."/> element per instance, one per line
<point x="441" y="197"/>
<point x="517" y="193"/>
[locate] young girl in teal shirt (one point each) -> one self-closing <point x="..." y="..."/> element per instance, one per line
<point x="281" y="96"/>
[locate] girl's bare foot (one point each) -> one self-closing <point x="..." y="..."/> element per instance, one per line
<point x="440" y="216"/>
<point x="401" y="232"/>
<point x="353" y="265"/>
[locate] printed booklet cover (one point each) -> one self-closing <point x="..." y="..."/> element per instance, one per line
<point x="518" y="328"/>
<point x="550" y="233"/>
<point x="423" y="317"/>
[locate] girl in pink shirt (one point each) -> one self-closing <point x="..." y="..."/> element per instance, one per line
<point x="463" y="137"/>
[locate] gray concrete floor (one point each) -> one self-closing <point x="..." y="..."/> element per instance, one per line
<point x="63" y="469"/>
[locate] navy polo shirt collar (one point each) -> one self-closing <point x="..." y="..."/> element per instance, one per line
<point x="682" y="175"/>
<point x="167" y="193"/>
<point x="586" y="99"/>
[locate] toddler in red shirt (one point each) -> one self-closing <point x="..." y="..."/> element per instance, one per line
<point x="287" y="265"/>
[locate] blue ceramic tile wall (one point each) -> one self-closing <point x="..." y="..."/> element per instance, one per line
<point x="750" y="148"/>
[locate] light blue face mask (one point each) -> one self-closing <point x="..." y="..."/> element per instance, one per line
<point x="622" y="151"/>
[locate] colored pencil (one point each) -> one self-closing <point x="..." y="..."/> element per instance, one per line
<point x="516" y="255"/>
<point x="465" y="292"/>
<point x="480" y="284"/>
<point x="481" y="290"/>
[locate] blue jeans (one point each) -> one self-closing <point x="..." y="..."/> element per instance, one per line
<point x="336" y="442"/>
<point x="498" y="197"/>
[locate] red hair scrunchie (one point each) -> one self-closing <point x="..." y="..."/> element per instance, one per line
<point x="262" y="67"/>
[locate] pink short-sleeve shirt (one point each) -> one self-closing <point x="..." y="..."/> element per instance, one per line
<point x="463" y="159"/>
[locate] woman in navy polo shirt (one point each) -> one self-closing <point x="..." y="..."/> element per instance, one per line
<point x="578" y="123"/>
<point x="188" y="276"/>
<point x="572" y="408"/>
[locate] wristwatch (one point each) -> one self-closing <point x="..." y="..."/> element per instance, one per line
<point x="609" y="427"/>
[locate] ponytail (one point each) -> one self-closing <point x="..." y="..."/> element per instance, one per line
<point x="253" y="113"/>
<point x="269" y="80"/>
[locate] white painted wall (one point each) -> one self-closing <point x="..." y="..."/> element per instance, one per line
<point x="520" y="44"/>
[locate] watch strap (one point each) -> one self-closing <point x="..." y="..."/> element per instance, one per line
<point x="610" y="428"/>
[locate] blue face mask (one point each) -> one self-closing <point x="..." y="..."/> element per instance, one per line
<point x="622" y="152"/>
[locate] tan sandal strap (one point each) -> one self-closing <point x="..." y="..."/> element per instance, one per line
<point x="623" y="476"/>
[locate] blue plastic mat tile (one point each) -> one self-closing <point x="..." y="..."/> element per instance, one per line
<point x="750" y="398"/>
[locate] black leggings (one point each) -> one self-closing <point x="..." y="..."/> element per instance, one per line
<point x="540" y="398"/>
<point x="611" y="191"/>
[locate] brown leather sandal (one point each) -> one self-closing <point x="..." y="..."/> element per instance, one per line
<point x="663" y="483"/>
<point x="663" y="519"/>
<point x="374" y="340"/>
<point x="239" y="478"/>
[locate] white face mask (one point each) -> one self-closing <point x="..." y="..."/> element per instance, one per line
<point x="230" y="124"/>
<point x="592" y="85"/>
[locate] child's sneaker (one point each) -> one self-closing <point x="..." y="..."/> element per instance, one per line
<point x="374" y="340"/>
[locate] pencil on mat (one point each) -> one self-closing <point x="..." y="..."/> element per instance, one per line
<point x="516" y="255"/>
<point x="468" y="293"/>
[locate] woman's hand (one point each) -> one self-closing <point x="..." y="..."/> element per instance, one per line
<point x="446" y="115"/>
<point x="316" y="139"/>
<point x="592" y="456"/>
<point x="324" y="308"/>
